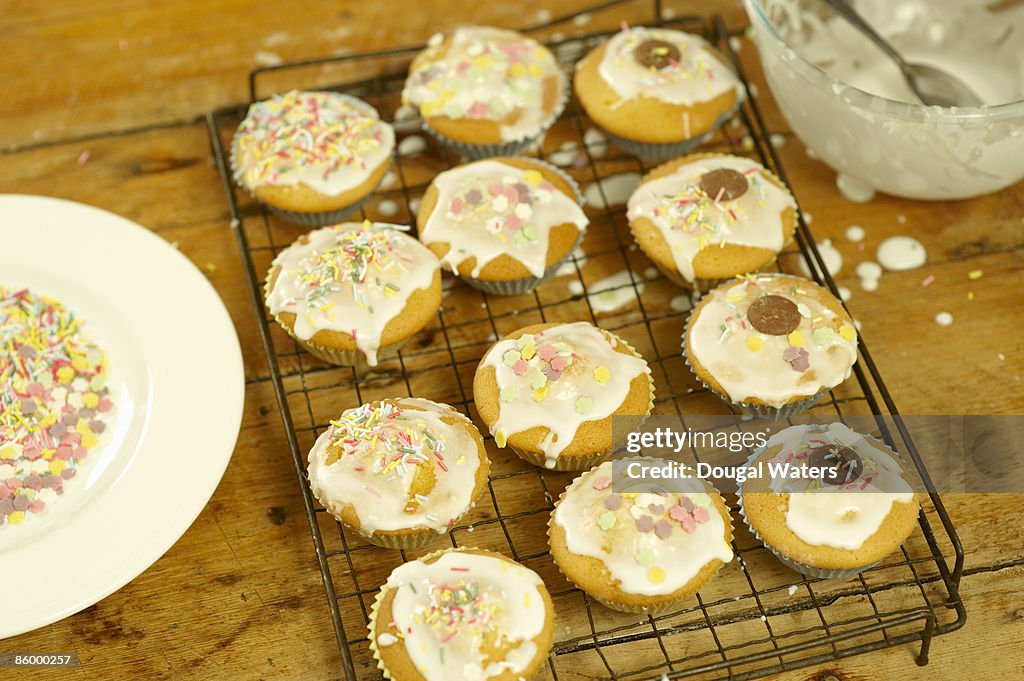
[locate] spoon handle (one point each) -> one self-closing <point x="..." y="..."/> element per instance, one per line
<point x="850" y="14"/>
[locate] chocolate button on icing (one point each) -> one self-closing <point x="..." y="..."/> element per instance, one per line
<point x="732" y="184"/>
<point x="656" y="53"/>
<point x="774" y="315"/>
<point x="844" y="462"/>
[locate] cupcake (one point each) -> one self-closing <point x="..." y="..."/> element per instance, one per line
<point x="657" y="92"/>
<point x="399" y="472"/>
<point x="552" y="391"/>
<point x="771" y="344"/>
<point x="311" y="157"/>
<point x="461" y="614"/>
<point x="354" y="293"/>
<point x="708" y="217"/>
<point x="504" y="225"/>
<point x="849" y="507"/>
<point x="637" y="548"/>
<point x="486" y="91"/>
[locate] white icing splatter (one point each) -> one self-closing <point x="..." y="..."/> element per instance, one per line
<point x="833" y="258"/>
<point x="900" y="253"/>
<point x="413" y="145"/>
<point x="581" y="19"/>
<point x="615" y="291"/>
<point x="844" y="293"/>
<point x="792" y="590"/>
<point x="595" y="142"/>
<point x="854" y="234"/>
<point x="267" y="58"/>
<point x="276" y="38"/>
<point x="944" y="319"/>
<point x="568" y="267"/>
<point x="869" y="270"/>
<point x="851" y="188"/>
<point x="869" y="284"/>
<point x="735" y="44"/>
<point x="778" y="140"/>
<point x="387" y="208"/>
<point x="565" y="155"/>
<point x="616" y="189"/>
<point x="650" y="273"/>
<point x="681" y="303"/>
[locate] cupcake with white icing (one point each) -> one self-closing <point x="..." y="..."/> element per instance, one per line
<point x="771" y="344"/>
<point x="707" y="217"/>
<point x="486" y="91"/>
<point x="657" y="92"/>
<point x="635" y="547"/>
<point x="851" y="505"/>
<point x="504" y="225"/>
<point x="461" y="614"/>
<point x="311" y="157"/>
<point x="400" y="472"/>
<point x="552" y="392"/>
<point x="353" y="293"/>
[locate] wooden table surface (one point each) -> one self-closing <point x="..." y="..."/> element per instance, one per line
<point x="102" y="106"/>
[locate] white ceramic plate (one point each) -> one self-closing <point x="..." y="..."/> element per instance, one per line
<point x="175" y="375"/>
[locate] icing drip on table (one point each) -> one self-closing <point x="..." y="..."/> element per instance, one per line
<point x="651" y="543"/>
<point x="485" y="74"/>
<point x="691" y="218"/>
<point x="451" y="614"/>
<point x="841" y="515"/>
<point x="769" y="337"/>
<point x="371" y="457"/>
<point x="671" y="66"/>
<point x="350" y="278"/>
<point x="558" y="379"/>
<point x="323" y="140"/>
<point x="487" y="209"/>
<point x="54" y="401"/>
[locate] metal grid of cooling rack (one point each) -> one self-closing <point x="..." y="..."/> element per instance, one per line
<point x="754" y="619"/>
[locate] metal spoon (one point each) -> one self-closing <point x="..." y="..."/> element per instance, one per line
<point x="931" y="85"/>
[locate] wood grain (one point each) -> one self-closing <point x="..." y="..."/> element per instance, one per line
<point x="239" y="595"/>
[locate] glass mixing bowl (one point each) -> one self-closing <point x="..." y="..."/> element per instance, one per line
<point x="823" y="73"/>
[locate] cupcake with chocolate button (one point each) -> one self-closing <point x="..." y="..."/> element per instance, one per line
<point x="486" y="91"/>
<point x="353" y="294"/>
<point x="708" y="217"/>
<point x="636" y="547"/>
<point x="770" y="344"/>
<point x="504" y="225"/>
<point x="400" y="472"/>
<point x="461" y="614"/>
<point x="657" y="92"/>
<point x="311" y="157"/>
<point x="552" y="393"/>
<point x="852" y="504"/>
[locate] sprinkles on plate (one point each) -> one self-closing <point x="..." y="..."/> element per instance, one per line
<point x="54" y="401"/>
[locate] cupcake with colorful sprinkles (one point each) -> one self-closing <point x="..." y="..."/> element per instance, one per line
<point x="635" y="547"/>
<point x="708" y="217"/>
<point x="552" y="391"/>
<point x="400" y="472"/>
<point x="657" y="92"/>
<point x="312" y="157"/>
<point x="461" y="614"/>
<point x="54" y="402"/>
<point x="505" y="224"/>
<point x="353" y="293"/>
<point x="772" y="344"/>
<point x="850" y="506"/>
<point x="486" y="91"/>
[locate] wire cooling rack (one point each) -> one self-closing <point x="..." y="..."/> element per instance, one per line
<point x="756" y="617"/>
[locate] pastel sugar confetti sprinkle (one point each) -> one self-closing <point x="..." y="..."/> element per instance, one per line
<point x="645" y="557"/>
<point x="54" y="402"/>
<point x="606" y="521"/>
<point x="754" y="343"/>
<point x="583" y="405"/>
<point x="457" y="606"/>
<point x="602" y="374"/>
<point x="656" y="575"/>
<point x="295" y="134"/>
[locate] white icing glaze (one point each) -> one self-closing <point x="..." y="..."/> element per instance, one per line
<point x="899" y="253"/>
<point x="379" y="450"/>
<point x="699" y="76"/>
<point x="723" y="341"/>
<point x="691" y="220"/>
<point x="327" y="289"/>
<point x="487" y="208"/>
<point x="492" y="597"/>
<point x="486" y="74"/>
<point x="577" y="394"/>
<point x="658" y="561"/>
<point x="323" y="140"/>
<point x="842" y="516"/>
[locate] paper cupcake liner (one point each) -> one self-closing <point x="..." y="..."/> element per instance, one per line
<point x="779" y="413"/>
<point x="306" y="218"/>
<point x="653" y="609"/>
<point x="663" y="151"/>
<point x="475" y="152"/>
<point x="586" y="462"/>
